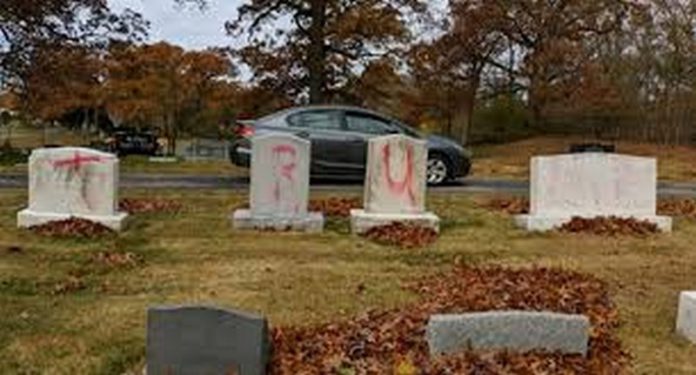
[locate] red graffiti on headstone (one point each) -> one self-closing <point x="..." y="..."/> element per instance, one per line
<point x="77" y="161"/>
<point x="74" y="165"/>
<point x="406" y="185"/>
<point x="286" y="169"/>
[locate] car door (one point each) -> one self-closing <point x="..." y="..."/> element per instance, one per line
<point x="360" y="127"/>
<point x="324" y="128"/>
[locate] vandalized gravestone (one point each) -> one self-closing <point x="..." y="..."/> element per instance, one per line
<point x="512" y="330"/>
<point x="589" y="185"/>
<point x="395" y="184"/>
<point x="199" y="340"/>
<point x="279" y="187"/>
<point x="686" y="317"/>
<point x="72" y="182"/>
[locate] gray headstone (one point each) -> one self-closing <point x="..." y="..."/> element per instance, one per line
<point x="514" y="330"/>
<point x="200" y="340"/>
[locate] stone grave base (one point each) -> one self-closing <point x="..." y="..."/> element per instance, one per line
<point x="546" y="223"/>
<point x="362" y="221"/>
<point x="313" y="222"/>
<point x="27" y="218"/>
<point x="686" y="317"/>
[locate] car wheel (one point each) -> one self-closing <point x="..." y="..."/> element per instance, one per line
<point x="438" y="170"/>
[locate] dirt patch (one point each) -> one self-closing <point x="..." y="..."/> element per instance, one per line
<point x="610" y="226"/>
<point x="403" y="235"/>
<point x="393" y="341"/>
<point x="73" y="227"/>
<point x="146" y="206"/>
<point x="14" y="249"/>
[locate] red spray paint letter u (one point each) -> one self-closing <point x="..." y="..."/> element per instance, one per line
<point x="404" y="186"/>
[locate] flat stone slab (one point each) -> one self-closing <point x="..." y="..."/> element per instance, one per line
<point x="198" y="340"/>
<point x="28" y="218"/>
<point x="547" y="223"/>
<point x="512" y="330"/>
<point x="686" y="317"/>
<point x="311" y="222"/>
<point x="362" y="221"/>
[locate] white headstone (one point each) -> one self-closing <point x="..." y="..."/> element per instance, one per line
<point x="395" y="184"/>
<point x="590" y="185"/>
<point x="396" y="175"/>
<point x="686" y="317"/>
<point x="72" y="182"/>
<point x="279" y="175"/>
<point x="279" y="187"/>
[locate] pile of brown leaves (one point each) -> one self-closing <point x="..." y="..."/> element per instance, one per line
<point x="403" y="235"/>
<point x="73" y="227"/>
<point x="677" y="207"/>
<point x="386" y="342"/>
<point x="610" y="226"/>
<point x="508" y="205"/>
<point x="335" y="207"/>
<point x="146" y="206"/>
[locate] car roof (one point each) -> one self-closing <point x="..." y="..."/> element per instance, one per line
<point x="339" y="107"/>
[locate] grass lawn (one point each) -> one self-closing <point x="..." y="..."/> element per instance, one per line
<point x="141" y="164"/>
<point x="511" y="160"/>
<point x="65" y="312"/>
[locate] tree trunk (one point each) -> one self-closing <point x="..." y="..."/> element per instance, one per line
<point x="317" y="53"/>
<point x="464" y="116"/>
<point x="466" y="105"/>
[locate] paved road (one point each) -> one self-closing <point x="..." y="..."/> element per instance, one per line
<point x="159" y="181"/>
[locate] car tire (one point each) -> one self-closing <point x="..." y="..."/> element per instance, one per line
<point x="437" y="170"/>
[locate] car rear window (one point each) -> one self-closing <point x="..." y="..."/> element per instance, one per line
<point x="322" y="120"/>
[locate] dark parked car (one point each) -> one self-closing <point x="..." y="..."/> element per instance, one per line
<point x="339" y="136"/>
<point x="132" y="142"/>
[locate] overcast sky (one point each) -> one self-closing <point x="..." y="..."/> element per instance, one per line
<point x="189" y="27"/>
<point x="192" y="28"/>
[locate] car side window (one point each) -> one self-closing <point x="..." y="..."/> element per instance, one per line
<point x="366" y="123"/>
<point x="316" y="120"/>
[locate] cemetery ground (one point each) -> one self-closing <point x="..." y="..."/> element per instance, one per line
<point x="72" y="306"/>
